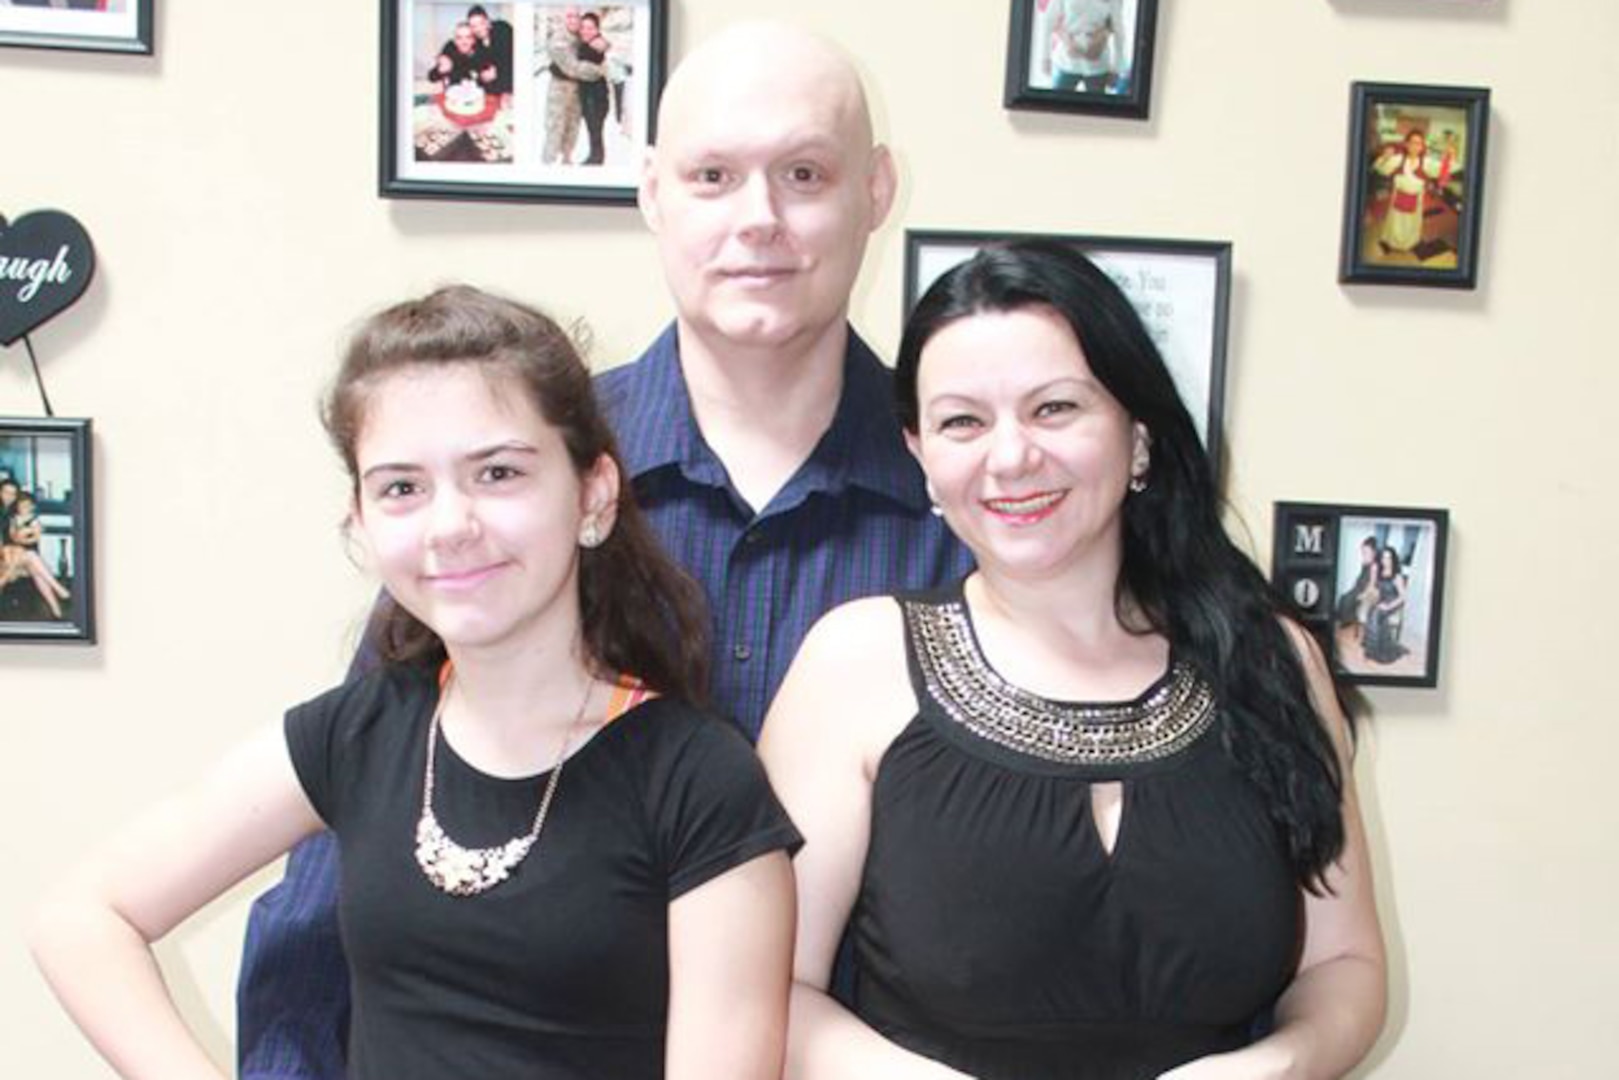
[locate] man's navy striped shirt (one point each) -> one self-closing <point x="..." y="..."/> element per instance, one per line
<point x="852" y="522"/>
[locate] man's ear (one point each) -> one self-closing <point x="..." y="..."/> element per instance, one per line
<point x="882" y="184"/>
<point x="646" y="193"/>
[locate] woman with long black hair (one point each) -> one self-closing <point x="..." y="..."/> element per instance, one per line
<point x="1088" y="813"/>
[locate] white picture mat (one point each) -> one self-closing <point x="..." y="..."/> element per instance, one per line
<point x="528" y="103"/>
<point x="1175" y="294"/>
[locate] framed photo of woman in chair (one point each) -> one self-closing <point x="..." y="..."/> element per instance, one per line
<point x="1369" y="582"/>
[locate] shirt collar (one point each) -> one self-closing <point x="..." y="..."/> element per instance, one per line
<point x="863" y="447"/>
<point x="657" y="404"/>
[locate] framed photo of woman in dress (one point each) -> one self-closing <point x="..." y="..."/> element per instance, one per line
<point x="1369" y="582"/>
<point x="1081" y="56"/>
<point x="1412" y="204"/>
<point x="520" y="100"/>
<point x="84" y="25"/>
<point x="46" y="590"/>
<point x="1180" y="288"/>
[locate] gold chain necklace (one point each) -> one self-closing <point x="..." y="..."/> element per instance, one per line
<point x="462" y="871"/>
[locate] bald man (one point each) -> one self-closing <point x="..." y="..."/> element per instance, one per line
<point x="758" y="431"/>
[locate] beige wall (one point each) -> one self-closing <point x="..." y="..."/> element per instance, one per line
<point x="230" y="187"/>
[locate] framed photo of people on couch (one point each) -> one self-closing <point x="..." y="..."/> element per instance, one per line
<point x="47" y="591"/>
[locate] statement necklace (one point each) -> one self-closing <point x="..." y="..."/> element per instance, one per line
<point x="462" y="871"/>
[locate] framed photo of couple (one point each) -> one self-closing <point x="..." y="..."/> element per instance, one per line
<point x="47" y="591"/>
<point x="523" y="100"/>
<point x="1180" y="288"/>
<point x="1414" y="195"/>
<point x="1369" y="582"/>
<point x="85" y="25"/>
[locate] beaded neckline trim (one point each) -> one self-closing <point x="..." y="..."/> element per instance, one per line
<point x="1170" y="718"/>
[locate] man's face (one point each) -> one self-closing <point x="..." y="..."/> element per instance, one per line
<point x="463" y="39"/>
<point x="570" y="19"/>
<point x="762" y="192"/>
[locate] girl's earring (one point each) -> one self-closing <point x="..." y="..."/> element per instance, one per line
<point x="590" y="534"/>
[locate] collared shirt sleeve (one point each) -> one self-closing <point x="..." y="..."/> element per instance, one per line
<point x="292" y="999"/>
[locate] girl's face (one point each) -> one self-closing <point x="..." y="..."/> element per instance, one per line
<point x="1028" y="454"/>
<point x="1415" y="144"/>
<point x="8" y="495"/>
<point x="471" y="507"/>
<point x="1385" y="563"/>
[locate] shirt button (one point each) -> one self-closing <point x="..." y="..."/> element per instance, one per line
<point x="752" y="536"/>
<point x="741" y="652"/>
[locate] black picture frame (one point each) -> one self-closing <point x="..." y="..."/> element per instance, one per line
<point x="35" y="26"/>
<point x="1193" y="345"/>
<point x="49" y="461"/>
<point x="1035" y="48"/>
<point x="1414" y="218"/>
<point x="1374" y="634"/>
<point x="439" y="142"/>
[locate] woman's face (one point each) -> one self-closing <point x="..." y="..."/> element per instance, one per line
<point x="1416" y="145"/>
<point x="1027" y="453"/>
<point x="1385" y="563"/>
<point x="472" y="508"/>
<point x="8" y="495"/>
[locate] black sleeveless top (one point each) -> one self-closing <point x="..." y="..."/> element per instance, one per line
<point x="995" y="933"/>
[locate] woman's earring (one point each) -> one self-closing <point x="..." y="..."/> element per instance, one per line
<point x="933" y="500"/>
<point x="590" y="533"/>
<point x="1138" y="484"/>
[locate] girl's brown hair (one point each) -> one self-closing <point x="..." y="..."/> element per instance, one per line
<point x="639" y="613"/>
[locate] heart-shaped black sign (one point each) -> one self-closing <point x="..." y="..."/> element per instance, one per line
<point x="46" y="261"/>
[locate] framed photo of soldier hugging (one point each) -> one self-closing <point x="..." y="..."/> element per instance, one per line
<point x="1415" y="189"/>
<point x="46" y="587"/>
<point x="522" y="100"/>
<point x="1369" y="582"/>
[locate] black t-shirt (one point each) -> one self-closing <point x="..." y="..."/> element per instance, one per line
<point x="560" y="971"/>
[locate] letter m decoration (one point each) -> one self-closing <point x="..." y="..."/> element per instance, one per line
<point x="1309" y="539"/>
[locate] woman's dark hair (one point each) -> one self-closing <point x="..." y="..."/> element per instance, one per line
<point x="639" y="613"/>
<point x="1394" y="563"/>
<point x="1179" y="569"/>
